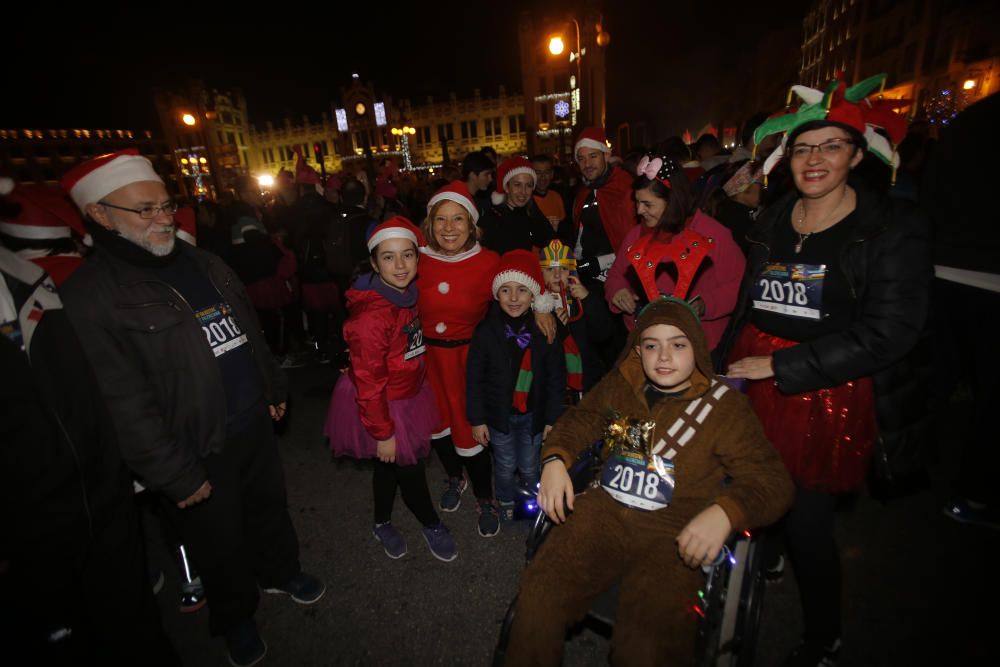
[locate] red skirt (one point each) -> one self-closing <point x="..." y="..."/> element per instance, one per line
<point x="824" y="437"/>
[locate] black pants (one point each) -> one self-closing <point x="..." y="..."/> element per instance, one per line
<point x="107" y="602"/>
<point x="241" y="536"/>
<point x="812" y="548"/>
<point x="412" y="483"/>
<point x="479" y="467"/>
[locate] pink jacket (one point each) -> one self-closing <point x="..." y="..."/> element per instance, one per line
<point x="718" y="281"/>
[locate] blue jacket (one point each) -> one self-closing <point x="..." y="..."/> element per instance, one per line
<point x="491" y="376"/>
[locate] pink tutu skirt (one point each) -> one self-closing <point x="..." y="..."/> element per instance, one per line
<point x="415" y="419"/>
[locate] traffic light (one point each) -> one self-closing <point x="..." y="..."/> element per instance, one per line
<point x="318" y="152"/>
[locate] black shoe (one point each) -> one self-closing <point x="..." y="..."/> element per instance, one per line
<point x="245" y="645"/>
<point x="303" y="588"/>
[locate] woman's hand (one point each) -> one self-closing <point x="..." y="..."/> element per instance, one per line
<point x="481" y="434"/>
<point x="555" y="493"/>
<point x="702" y="539"/>
<point x="625" y="300"/>
<point x="386" y="450"/>
<point x="752" y="368"/>
<point x="547" y="325"/>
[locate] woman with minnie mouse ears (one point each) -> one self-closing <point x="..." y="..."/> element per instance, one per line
<point x="667" y="229"/>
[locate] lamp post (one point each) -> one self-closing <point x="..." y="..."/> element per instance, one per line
<point x="557" y="47"/>
<point x="405" y="132"/>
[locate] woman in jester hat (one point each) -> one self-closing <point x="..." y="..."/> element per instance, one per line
<point x="829" y="328"/>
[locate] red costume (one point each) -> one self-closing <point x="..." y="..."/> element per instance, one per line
<point x="454" y="293"/>
<point x="614" y="203"/>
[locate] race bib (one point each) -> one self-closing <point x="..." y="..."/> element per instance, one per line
<point x="12" y="331"/>
<point x="221" y="330"/>
<point x="795" y="290"/>
<point x="634" y="481"/>
<point x="414" y="340"/>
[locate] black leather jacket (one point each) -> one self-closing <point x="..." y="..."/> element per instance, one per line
<point x="160" y="380"/>
<point x="887" y="262"/>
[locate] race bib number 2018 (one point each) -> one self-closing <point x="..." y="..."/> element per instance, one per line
<point x="221" y="330"/>
<point x="628" y="479"/>
<point x="795" y="290"/>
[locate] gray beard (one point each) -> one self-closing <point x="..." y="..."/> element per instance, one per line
<point x="145" y="244"/>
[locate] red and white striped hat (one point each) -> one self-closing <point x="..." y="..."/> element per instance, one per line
<point x="457" y="192"/>
<point x="396" y="227"/>
<point x="186" y="227"/>
<point x="507" y="170"/>
<point x="44" y="213"/>
<point x="592" y="137"/>
<point x="519" y="266"/>
<point x="91" y="181"/>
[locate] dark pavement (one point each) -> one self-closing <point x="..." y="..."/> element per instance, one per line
<point x="920" y="589"/>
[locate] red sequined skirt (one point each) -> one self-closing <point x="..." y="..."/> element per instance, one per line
<point x="825" y="437"/>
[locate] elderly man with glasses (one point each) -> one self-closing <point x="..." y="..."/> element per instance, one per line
<point x="191" y="387"/>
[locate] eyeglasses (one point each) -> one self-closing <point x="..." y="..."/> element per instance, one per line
<point x="147" y="212"/>
<point x="828" y="148"/>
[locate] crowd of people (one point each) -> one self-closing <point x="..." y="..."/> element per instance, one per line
<point x="749" y="331"/>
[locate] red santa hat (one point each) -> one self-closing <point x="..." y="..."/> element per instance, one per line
<point x="519" y="266"/>
<point x="396" y="227"/>
<point x="91" y="181"/>
<point x="44" y="214"/>
<point x="507" y="170"/>
<point x="592" y="137"/>
<point x="186" y="229"/>
<point x="458" y="192"/>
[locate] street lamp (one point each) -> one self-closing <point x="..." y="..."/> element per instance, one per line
<point x="405" y="132"/>
<point x="188" y="119"/>
<point x="556" y="48"/>
<point x="969" y="84"/>
<point x="556" y="45"/>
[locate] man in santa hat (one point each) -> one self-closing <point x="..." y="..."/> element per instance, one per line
<point x="191" y="386"/>
<point x="603" y="211"/>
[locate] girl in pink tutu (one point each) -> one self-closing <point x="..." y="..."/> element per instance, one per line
<point x="383" y="407"/>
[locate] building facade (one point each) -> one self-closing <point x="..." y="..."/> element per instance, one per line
<point x="942" y="54"/>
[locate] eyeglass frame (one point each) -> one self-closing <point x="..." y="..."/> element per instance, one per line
<point x="821" y="146"/>
<point x="156" y="210"/>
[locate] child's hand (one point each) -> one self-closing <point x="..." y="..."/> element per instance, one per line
<point x="545" y="431"/>
<point x="481" y="434"/>
<point x="576" y="289"/>
<point x="555" y="493"/>
<point x="625" y="300"/>
<point x="547" y="325"/>
<point x="386" y="450"/>
<point x="702" y="539"/>
<point x="562" y="315"/>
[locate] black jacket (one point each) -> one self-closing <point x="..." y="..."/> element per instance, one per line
<point x="505" y="228"/>
<point x="158" y="376"/>
<point x="887" y="262"/>
<point x="490" y="376"/>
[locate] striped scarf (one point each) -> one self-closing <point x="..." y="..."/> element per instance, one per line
<point x="574" y="363"/>
<point x="522" y="386"/>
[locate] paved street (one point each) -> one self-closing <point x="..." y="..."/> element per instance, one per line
<point x="920" y="588"/>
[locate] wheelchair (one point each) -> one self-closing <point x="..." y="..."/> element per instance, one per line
<point x="728" y="606"/>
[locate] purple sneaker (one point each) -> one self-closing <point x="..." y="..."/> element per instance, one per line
<point x="440" y="543"/>
<point x="391" y="539"/>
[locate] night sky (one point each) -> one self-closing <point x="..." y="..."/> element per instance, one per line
<point x="663" y="61"/>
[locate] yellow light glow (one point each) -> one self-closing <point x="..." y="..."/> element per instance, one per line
<point x="188" y="119"/>
<point x="556" y="45"/>
<point x="184" y="160"/>
<point x="969" y="84"/>
<point x="202" y="160"/>
<point x="265" y="180"/>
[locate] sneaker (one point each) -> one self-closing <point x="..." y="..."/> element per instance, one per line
<point x="808" y="654"/>
<point x="303" y="588"/>
<point x="489" y="519"/>
<point x="192" y="596"/>
<point x="972" y="513"/>
<point x="293" y="361"/>
<point x="440" y="543"/>
<point x="775" y="573"/>
<point x="245" y="645"/>
<point x="391" y="539"/>
<point x="452" y="496"/>
<point x="506" y="512"/>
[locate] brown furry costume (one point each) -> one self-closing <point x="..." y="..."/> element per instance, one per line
<point x="605" y="541"/>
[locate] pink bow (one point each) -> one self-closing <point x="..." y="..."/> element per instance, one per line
<point x="649" y="168"/>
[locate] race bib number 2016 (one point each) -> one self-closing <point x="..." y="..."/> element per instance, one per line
<point x="221" y="330"/>
<point x="795" y="290"/>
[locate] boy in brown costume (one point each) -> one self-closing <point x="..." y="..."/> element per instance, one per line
<point x="661" y="510"/>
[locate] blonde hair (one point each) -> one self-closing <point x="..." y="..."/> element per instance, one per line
<point x="427" y="226"/>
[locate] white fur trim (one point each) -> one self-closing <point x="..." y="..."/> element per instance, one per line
<point x="545" y="303"/>
<point x="516" y="277"/>
<point x="123" y="170"/>
<point x="6" y="186"/>
<point x="440" y="327"/>
<point x="452" y="259"/>
<point x="186" y="236"/>
<point x="520" y="170"/>
<point x="497" y="198"/>
<point x="467" y="204"/>
<point x="390" y="233"/>
<point x="773" y="158"/>
<point x="443" y="287"/>
<point x="34" y="232"/>
<point x="591" y="143"/>
<point x="469" y="451"/>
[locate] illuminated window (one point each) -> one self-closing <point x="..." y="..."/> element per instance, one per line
<point x="380" y="114"/>
<point x="341" y="119"/>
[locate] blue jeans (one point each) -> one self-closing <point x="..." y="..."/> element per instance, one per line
<point x="518" y="451"/>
